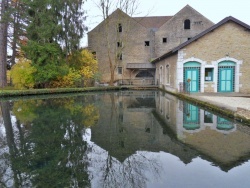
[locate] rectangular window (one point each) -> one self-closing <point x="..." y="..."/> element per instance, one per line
<point x="209" y="74"/>
<point x="119" y="28"/>
<point x="146" y="43"/>
<point x="208" y="117"/>
<point x="119" y="56"/>
<point x="119" y="44"/>
<point x="119" y="70"/>
<point x="94" y="55"/>
<point x="164" y="40"/>
<point x="167" y="74"/>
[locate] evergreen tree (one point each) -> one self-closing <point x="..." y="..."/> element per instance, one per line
<point x="54" y="31"/>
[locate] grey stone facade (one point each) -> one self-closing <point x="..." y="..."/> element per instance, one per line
<point x="141" y="40"/>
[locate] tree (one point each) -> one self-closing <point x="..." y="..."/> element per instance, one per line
<point x="22" y="74"/>
<point x="3" y="42"/>
<point x="116" y="43"/>
<point x="54" y="31"/>
<point x="83" y="69"/>
<point x="16" y="32"/>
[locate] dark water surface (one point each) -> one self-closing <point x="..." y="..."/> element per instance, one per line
<point x="120" y="139"/>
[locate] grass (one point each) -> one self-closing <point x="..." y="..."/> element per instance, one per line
<point x="11" y="92"/>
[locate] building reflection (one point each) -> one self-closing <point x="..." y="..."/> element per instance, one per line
<point x="224" y="142"/>
<point x="153" y="121"/>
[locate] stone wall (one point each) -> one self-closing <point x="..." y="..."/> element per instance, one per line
<point x="228" y="42"/>
<point x="103" y="40"/>
<point x="174" y="30"/>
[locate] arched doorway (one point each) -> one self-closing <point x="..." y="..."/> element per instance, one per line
<point x="191" y="76"/>
<point x="226" y="76"/>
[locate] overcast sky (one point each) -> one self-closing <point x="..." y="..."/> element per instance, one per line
<point x="214" y="10"/>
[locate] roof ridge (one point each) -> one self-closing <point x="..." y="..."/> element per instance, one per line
<point x="223" y="21"/>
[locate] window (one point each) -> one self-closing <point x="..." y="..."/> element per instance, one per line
<point x="94" y="55"/>
<point x="119" y="56"/>
<point x="208" y="117"/>
<point x="209" y="74"/>
<point x="164" y="40"/>
<point x="119" y="28"/>
<point x="189" y="38"/>
<point x="146" y="43"/>
<point x="167" y="74"/>
<point x="119" y="70"/>
<point x="187" y="24"/>
<point x="119" y="44"/>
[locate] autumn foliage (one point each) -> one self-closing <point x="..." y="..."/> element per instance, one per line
<point x="81" y="71"/>
<point x="22" y="74"/>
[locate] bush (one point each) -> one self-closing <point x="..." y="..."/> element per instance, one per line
<point x="22" y="74"/>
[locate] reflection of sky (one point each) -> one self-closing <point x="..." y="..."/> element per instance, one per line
<point x="199" y="173"/>
<point x="171" y="172"/>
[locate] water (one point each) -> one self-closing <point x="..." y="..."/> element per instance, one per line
<point x="120" y="139"/>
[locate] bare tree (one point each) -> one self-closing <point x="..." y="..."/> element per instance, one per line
<point x="115" y="42"/>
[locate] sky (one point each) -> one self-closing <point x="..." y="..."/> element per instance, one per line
<point x="214" y="10"/>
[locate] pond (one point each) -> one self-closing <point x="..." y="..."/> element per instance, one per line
<point x="119" y="139"/>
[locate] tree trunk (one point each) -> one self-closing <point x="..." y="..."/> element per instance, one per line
<point x="3" y="43"/>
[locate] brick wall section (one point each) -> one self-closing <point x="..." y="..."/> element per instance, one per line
<point x="229" y="39"/>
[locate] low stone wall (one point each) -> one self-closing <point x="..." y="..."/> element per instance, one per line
<point x="243" y="112"/>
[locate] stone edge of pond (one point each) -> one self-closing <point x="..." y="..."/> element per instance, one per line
<point x="19" y="93"/>
<point x="211" y="107"/>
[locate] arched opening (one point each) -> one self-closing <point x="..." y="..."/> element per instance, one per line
<point x="187" y="24"/>
<point x="191" y="77"/>
<point x="226" y="76"/>
<point x="144" y="74"/>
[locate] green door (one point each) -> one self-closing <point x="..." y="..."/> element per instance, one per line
<point x="191" y="118"/>
<point x="226" y="79"/>
<point x="192" y="75"/>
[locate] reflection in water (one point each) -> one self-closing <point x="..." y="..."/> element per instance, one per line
<point x="120" y="139"/>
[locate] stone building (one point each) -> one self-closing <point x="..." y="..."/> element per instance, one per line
<point x="216" y="60"/>
<point x="131" y="43"/>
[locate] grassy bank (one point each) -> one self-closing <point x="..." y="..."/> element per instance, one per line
<point x="14" y="93"/>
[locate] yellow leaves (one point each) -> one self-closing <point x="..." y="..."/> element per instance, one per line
<point x="91" y="115"/>
<point x="68" y="80"/>
<point x="24" y="110"/>
<point x="22" y="74"/>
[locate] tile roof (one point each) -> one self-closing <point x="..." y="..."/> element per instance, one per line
<point x="153" y="21"/>
<point x="195" y="38"/>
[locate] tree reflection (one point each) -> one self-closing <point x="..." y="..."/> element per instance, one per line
<point x="46" y="147"/>
<point x="130" y="173"/>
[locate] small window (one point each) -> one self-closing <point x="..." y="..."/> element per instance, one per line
<point x="94" y="55"/>
<point x="164" y="40"/>
<point x="146" y="43"/>
<point x="187" y="24"/>
<point x="119" y="28"/>
<point x="208" y="117"/>
<point x="189" y="38"/>
<point x="119" y="56"/>
<point x="119" y="70"/>
<point x="119" y="44"/>
<point x="209" y="74"/>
